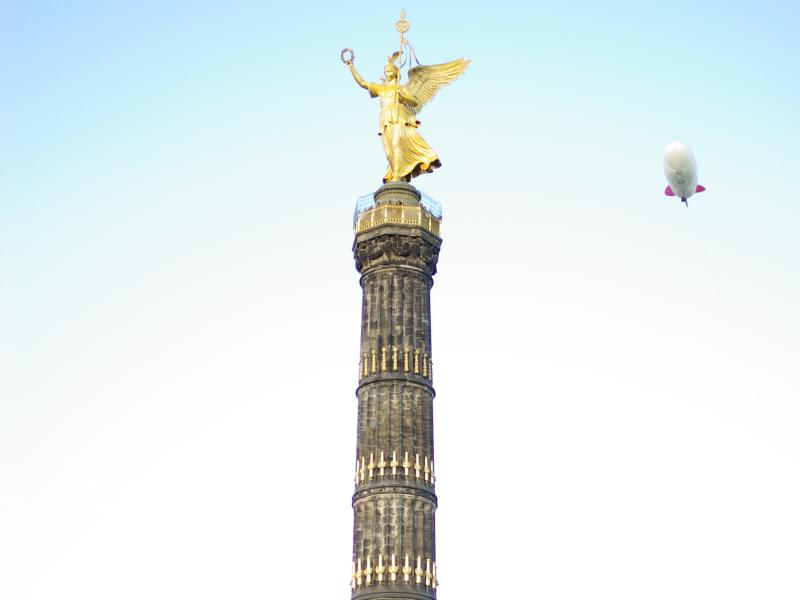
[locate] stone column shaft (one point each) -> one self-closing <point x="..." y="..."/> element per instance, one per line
<point x="394" y="503"/>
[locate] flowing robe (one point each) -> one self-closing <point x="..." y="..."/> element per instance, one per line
<point x="407" y="152"/>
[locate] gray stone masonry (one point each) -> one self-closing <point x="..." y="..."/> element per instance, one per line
<point x="394" y="501"/>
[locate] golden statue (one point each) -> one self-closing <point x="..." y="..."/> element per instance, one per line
<point x="407" y="152"/>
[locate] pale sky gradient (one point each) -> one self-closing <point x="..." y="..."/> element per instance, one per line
<point x="617" y="376"/>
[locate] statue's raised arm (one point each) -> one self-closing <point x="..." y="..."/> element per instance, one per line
<point x="349" y="61"/>
<point x="407" y="153"/>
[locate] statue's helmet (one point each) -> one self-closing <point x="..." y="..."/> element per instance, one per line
<point x="390" y="66"/>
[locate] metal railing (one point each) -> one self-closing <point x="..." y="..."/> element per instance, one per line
<point x="367" y="215"/>
<point x="399" y="215"/>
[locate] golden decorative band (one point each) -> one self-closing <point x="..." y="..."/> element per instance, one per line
<point x="388" y="360"/>
<point x="393" y="571"/>
<point x="397" y="214"/>
<point x="368" y="471"/>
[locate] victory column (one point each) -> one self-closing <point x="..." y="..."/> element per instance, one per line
<point x="396" y="249"/>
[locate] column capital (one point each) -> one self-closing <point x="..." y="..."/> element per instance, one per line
<point x="396" y="246"/>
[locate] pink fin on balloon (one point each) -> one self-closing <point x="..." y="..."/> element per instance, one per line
<point x="699" y="188"/>
<point x="669" y="192"/>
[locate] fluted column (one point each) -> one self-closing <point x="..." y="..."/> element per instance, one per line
<point x="394" y="541"/>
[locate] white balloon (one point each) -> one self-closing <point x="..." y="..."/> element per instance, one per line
<point x="680" y="168"/>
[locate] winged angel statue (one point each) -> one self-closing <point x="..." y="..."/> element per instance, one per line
<point x="407" y="152"/>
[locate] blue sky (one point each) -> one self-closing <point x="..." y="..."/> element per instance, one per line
<point x="179" y="313"/>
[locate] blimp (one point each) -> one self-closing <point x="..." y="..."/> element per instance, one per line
<point x="680" y="167"/>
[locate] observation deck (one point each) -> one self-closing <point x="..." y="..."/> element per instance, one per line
<point x="427" y="214"/>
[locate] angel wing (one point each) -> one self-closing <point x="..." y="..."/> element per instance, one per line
<point x="425" y="80"/>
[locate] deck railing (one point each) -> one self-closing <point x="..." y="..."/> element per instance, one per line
<point x="399" y="215"/>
